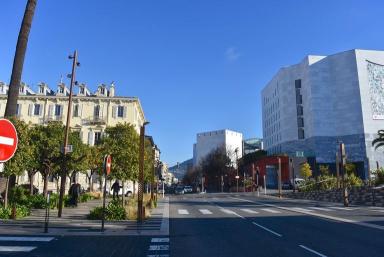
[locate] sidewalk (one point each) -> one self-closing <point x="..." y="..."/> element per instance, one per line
<point x="74" y="222"/>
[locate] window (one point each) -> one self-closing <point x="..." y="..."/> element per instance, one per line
<point x="76" y="110"/>
<point x="97" y="138"/>
<point x="120" y="111"/>
<point x="298" y="83"/>
<point x="300" y="133"/>
<point x="57" y="110"/>
<point x="102" y="91"/>
<point x="299" y="99"/>
<point x="300" y="122"/>
<point x="299" y="110"/>
<point x="36" y="110"/>
<point x="18" y="110"/>
<point x="96" y="111"/>
<point x="61" y="90"/>
<point x="41" y="90"/>
<point x="82" y="90"/>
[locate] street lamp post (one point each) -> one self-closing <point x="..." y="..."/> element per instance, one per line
<point x="140" y="211"/>
<point x="75" y="64"/>
<point x="279" y="176"/>
<point x="237" y="170"/>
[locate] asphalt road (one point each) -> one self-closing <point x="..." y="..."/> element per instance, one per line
<point x="228" y="225"/>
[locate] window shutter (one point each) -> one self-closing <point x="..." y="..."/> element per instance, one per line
<point x="19" y="113"/>
<point x="90" y="138"/>
<point x="101" y="111"/>
<point x="80" y="110"/>
<point x="125" y="112"/>
<point x="40" y="109"/>
<point x="61" y="110"/>
<point x="50" y="110"/>
<point x="30" y="109"/>
<point x="114" y="111"/>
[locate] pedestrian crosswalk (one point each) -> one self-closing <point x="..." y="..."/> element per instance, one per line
<point x="159" y="247"/>
<point x="10" y="244"/>
<point x="261" y="210"/>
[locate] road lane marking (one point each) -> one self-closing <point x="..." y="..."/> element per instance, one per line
<point x="158" y="255"/>
<point x="270" y="210"/>
<point x="341" y="208"/>
<point x="26" y="239"/>
<point x="6" y="141"/>
<point x="320" y="209"/>
<point x="300" y="209"/>
<point x="16" y="248"/>
<point x="312" y="251"/>
<point x="360" y="223"/>
<point x="183" y="212"/>
<point x="160" y="240"/>
<point x="249" y="211"/>
<point x="267" y="229"/>
<point x="158" y="247"/>
<point x="205" y="211"/>
<point x="231" y="212"/>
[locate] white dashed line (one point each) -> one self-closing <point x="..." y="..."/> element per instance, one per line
<point x="183" y="212"/>
<point x="312" y="251"/>
<point x="231" y="212"/>
<point x="267" y="229"/>
<point x="300" y="209"/>
<point x="205" y="211"/>
<point x="342" y="208"/>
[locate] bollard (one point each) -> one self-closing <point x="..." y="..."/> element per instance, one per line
<point x="47" y="207"/>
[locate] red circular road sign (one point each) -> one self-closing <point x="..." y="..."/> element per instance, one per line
<point x="108" y="162"/>
<point x="8" y="140"/>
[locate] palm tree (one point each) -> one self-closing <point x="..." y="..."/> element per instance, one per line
<point x="379" y="141"/>
<point x="18" y="61"/>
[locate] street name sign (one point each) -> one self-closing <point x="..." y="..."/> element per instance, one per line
<point x="8" y="140"/>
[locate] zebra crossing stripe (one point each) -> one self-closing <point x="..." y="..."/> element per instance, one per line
<point x="16" y="248"/>
<point x="249" y="211"/>
<point x="160" y="240"/>
<point x="158" y="247"/>
<point x="183" y="212"/>
<point x="270" y="210"/>
<point x="301" y="209"/>
<point x="205" y="211"/>
<point x="320" y="209"/>
<point x="26" y="239"/>
<point x="341" y="208"/>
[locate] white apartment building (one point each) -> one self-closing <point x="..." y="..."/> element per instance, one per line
<point x="311" y="106"/>
<point x="91" y="112"/>
<point x="206" y="142"/>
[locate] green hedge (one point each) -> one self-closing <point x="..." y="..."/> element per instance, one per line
<point x="114" y="211"/>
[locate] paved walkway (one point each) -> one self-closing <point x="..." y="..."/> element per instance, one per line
<point x="74" y="222"/>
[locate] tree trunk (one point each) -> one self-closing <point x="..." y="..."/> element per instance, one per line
<point x="18" y="61"/>
<point x="45" y="188"/>
<point x="134" y="189"/>
<point x="6" y="192"/>
<point x="31" y="176"/>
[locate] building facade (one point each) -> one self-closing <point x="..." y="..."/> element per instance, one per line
<point x="251" y="145"/>
<point x="206" y="142"/>
<point x="91" y="113"/>
<point x="312" y="106"/>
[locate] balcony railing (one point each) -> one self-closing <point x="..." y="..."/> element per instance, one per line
<point x="94" y="121"/>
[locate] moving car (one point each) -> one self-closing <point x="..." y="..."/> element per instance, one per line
<point x="179" y="190"/>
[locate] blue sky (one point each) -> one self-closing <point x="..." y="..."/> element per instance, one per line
<point x="196" y="65"/>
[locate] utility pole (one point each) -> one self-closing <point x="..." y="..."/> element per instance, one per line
<point x="75" y="64"/>
<point x="237" y="170"/>
<point x="337" y="171"/>
<point x="140" y="212"/>
<point x="279" y="176"/>
<point x="244" y="181"/>
<point x="343" y="160"/>
<point x="293" y="174"/>
<point x="153" y="175"/>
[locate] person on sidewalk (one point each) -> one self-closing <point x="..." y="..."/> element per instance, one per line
<point x="74" y="192"/>
<point x="115" y="188"/>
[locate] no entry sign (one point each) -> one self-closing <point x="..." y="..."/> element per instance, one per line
<point x="107" y="163"/>
<point x="8" y="140"/>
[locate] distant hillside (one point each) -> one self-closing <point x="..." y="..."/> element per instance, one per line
<point x="180" y="170"/>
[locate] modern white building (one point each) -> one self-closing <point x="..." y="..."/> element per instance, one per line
<point x="206" y="142"/>
<point x="311" y="106"/>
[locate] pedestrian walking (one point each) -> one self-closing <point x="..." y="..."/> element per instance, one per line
<point x="115" y="188"/>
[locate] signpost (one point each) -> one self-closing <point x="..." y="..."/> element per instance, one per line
<point x="8" y="140"/>
<point x="107" y="169"/>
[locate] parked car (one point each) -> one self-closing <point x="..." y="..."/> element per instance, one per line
<point x="179" y="190"/>
<point x="287" y="185"/>
<point x="188" y="189"/>
<point x="298" y="182"/>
